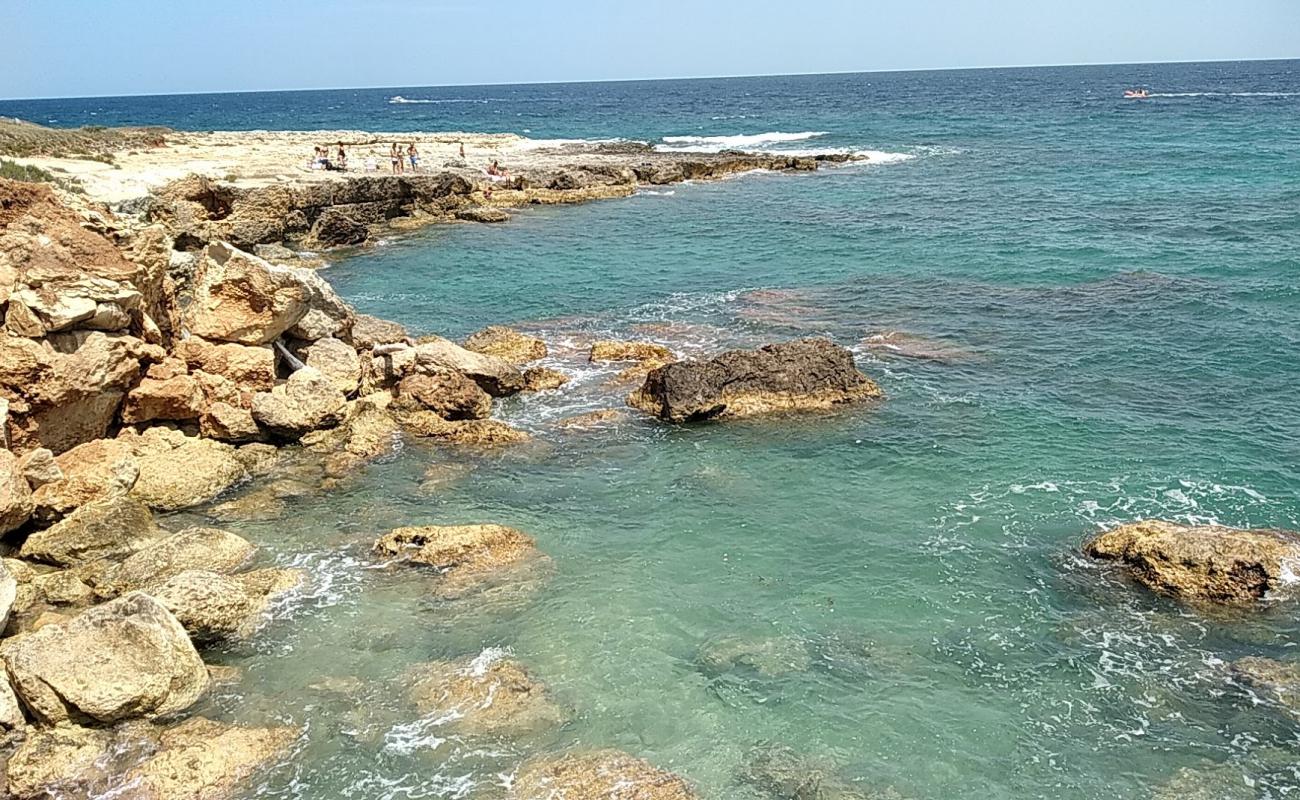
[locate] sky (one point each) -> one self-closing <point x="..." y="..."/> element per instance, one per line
<point x="76" y="48"/>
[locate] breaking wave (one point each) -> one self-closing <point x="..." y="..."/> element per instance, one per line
<point x="717" y="144"/>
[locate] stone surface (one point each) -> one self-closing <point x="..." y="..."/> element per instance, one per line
<point x="178" y="397"/>
<point x="39" y="467"/>
<point x="488" y="694"/>
<point x="596" y="775"/>
<point x="305" y="402"/>
<point x="781" y="773"/>
<point x="212" y="607"/>
<point x="8" y="593"/>
<point x="610" y="350"/>
<point x="368" y="331"/>
<point x="114" y="527"/>
<point x="249" y="367"/>
<point x="179" y="471"/>
<point x="508" y="344"/>
<point x="92" y="471"/>
<point x="55" y="762"/>
<point x="447" y="393"/>
<point x="462" y="554"/>
<point x="334" y="359"/>
<point x="766" y="657"/>
<point x="482" y="214"/>
<point x="63" y="588"/>
<point x="16" y="504"/>
<point x="543" y="379"/>
<point x="163" y="558"/>
<point x="802" y="375"/>
<point x="125" y="659"/>
<point x="239" y="297"/>
<point x="475" y="432"/>
<point x="201" y="759"/>
<point x="496" y="376"/>
<point x="1203" y="563"/>
<point x="1279" y="680"/>
<point x="227" y="423"/>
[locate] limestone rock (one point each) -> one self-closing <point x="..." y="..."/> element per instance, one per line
<point x="249" y="367"/>
<point x="489" y="694"/>
<point x="368" y="331"/>
<point x="111" y="528"/>
<point x="213" y="607"/>
<point x="228" y="423"/>
<point x="11" y="713"/>
<point x="610" y="350"/>
<point x="95" y="470"/>
<point x="596" y="775"/>
<point x="179" y="471"/>
<point x="496" y="376"/>
<point x="327" y="314"/>
<point x="178" y="397"/>
<point x="542" y="379"/>
<point x="446" y="392"/>
<point x="39" y="467"/>
<point x="463" y="554"/>
<point x="807" y="374"/>
<point x="335" y="360"/>
<point x="1203" y="563"/>
<point x="307" y="401"/>
<point x="163" y="558"/>
<point x="63" y="588"/>
<point x="240" y="298"/>
<point x="124" y="659"/>
<point x="766" y="657"/>
<point x="482" y="214"/>
<point x="592" y="419"/>
<point x="367" y="432"/>
<point x="335" y="227"/>
<point x="474" y="432"/>
<point x="201" y="759"/>
<point x="508" y="344"/>
<point x="55" y="762"/>
<point x="8" y="593"/>
<point x="1278" y="679"/>
<point x="16" y="505"/>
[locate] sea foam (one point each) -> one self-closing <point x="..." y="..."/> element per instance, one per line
<point x="716" y="144"/>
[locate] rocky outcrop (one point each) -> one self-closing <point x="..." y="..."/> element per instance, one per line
<point x="1203" y="563"/>
<point x="802" y="375"/>
<point x="489" y="694"/>
<point x="494" y="375"/>
<point x="447" y="393"/>
<point x="167" y="392"/>
<point x="249" y="367"/>
<point x="212" y="607"/>
<point x="91" y="471"/>
<point x="487" y="214"/>
<point x="507" y="344"/>
<point x="204" y="759"/>
<point x="179" y="471"/>
<point x="305" y="402"/>
<point x="125" y="659"/>
<point x="167" y="556"/>
<point x="543" y="379"/>
<point x="239" y="297"/>
<point x="462" y="554"/>
<point x="112" y="528"/>
<point x="596" y="775"/>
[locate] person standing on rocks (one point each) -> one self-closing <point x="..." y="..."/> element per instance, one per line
<point x="395" y="155"/>
<point x="343" y="158"/>
<point x="414" y="155"/>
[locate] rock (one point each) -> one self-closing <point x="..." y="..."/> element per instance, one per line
<point x="63" y="588"/>
<point x="11" y="713"/>
<point x="1223" y="781"/>
<point x="508" y="344"/>
<point x="249" y="367"/>
<point x="228" y="423"/>
<point x="446" y="392"/>
<point x="213" y="607"/>
<point x="335" y="228"/>
<point x="596" y="775"/>
<point x="905" y="345"/>
<point x="8" y="593"/>
<point x="306" y="402"/>
<point x="327" y="314"/>
<point x="368" y="331"/>
<point x="163" y="558"/>
<point x="112" y="528"/>
<point x="593" y="419"/>
<point x="782" y="773"/>
<point x="801" y="375"/>
<point x="96" y="470"/>
<point x="496" y="376"/>
<point x="238" y="297"/>
<point x="1278" y="679"/>
<point x="609" y="350"/>
<point x="335" y="360"/>
<point x="259" y="505"/>
<point x="482" y="214"/>
<point x="368" y="432"/>
<point x="201" y="759"/>
<point x="179" y="471"/>
<point x="55" y="762"/>
<point x="39" y="467"/>
<point x="480" y="432"/>
<point x="1203" y="563"/>
<point x="125" y="659"/>
<point x="463" y="554"/>
<point x="542" y="379"/>
<point x="178" y="397"/>
<point x="771" y="657"/>
<point x="16" y="505"/>
<point x="489" y="694"/>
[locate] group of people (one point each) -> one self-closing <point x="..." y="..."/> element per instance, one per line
<point x="399" y="156"/>
<point x="399" y="165"/>
<point x="321" y="160"/>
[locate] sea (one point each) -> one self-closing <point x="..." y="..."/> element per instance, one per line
<point x="1083" y="309"/>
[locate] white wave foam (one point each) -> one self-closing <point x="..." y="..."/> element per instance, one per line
<point x="490" y="655"/>
<point x="716" y="144"/>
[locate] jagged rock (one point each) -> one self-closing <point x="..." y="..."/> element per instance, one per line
<point x="1203" y="563"/>
<point x="610" y="350"/>
<point x="16" y="505"/>
<point x="367" y="432"/>
<point x="178" y="397"/>
<point x="228" y="423"/>
<point x="506" y="343"/>
<point x="201" y="759"/>
<point x="482" y="214"/>
<point x="213" y="607"/>
<point x="368" y="331"/>
<point x="179" y="471"/>
<point x="335" y="360"/>
<point x="496" y="376"/>
<point x="124" y="659"/>
<point x="463" y="554"/>
<point x="336" y="227"/>
<point x="163" y="558"/>
<point x="250" y="367"/>
<point x="770" y="657"/>
<point x="259" y="458"/>
<point x="240" y="298"/>
<point x="92" y="471"/>
<point x="489" y="694"/>
<point x="305" y="402"/>
<point x="39" y="467"/>
<point x="482" y="432"/>
<point x="596" y="775"/>
<point x="111" y="528"/>
<point x="55" y="762"/>
<point x="446" y="392"/>
<point x="327" y="314"/>
<point x="801" y="375"/>
<point x="11" y="712"/>
<point x="543" y="379"/>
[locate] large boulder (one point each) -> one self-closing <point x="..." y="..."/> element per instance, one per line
<point x="249" y="367"/>
<point x="112" y="528"/>
<point x="125" y="659"/>
<point x="334" y="359"/>
<point x="95" y="470"/>
<point x="802" y="375"/>
<point x="213" y="607"/>
<point x="163" y="558"/>
<point x="305" y="402"/>
<point x="179" y="471"/>
<point x="596" y="775"/>
<point x="496" y="376"/>
<point x="1203" y="563"/>
<point x="543" y="379"/>
<point x="167" y="392"/>
<point x="201" y="759"/>
<point x="488" y="694"/>
<point x="507" y="344"/>
<point x="447" y="393"/>
<point x="16" y="504"/>
<point x="238" y="297"/>
<point x="327" y="314"/>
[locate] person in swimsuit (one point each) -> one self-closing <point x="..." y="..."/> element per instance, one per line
<point x="414" y="155"/>
<point x="396" y="156"/>
<point x="343" y="158"/>
<point x="462" y="151"/>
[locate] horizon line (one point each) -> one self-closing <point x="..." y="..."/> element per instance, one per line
<point x="670" y="78"/>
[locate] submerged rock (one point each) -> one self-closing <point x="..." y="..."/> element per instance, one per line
<point x="907" y="345"/>
<point x="802" y="375"/>
<point x="481" y="432"/>
<point x="543" y="379"/>
<point x="611" y="350"/>
<point x="1279" y="679"/>
<point x="782" y="773"/>
<point x="488" y="694"/>
<point x="508" y="344"/>
<point x="92" y="471"/>
<point x="463" y="554"/>
<point x="213" y="607"/>
<point x="592" y="419"/>
<point x="125" y="659"/>
<point x="201" y="758"/>
<point x="596" y="775"/>
<point x="771" y="657"/>
<point x="1203" y="563"/>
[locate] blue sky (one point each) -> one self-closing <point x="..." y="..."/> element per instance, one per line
<point x="51" y="48"/>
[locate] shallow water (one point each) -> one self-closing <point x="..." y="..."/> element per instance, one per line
<point x="1112" y="290"/>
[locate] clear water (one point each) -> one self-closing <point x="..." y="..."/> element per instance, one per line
<point x="1116" y="285"/>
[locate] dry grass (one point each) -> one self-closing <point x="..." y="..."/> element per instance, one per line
<point x="18" y="138"/>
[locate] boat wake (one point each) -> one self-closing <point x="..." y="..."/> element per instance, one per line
<point x="1224" y="94"/>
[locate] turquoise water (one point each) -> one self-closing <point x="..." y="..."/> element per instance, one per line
<point x="1114" y="287"/>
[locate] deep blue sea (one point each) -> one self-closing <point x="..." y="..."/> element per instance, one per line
<point x="896" y="591"/>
